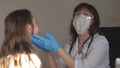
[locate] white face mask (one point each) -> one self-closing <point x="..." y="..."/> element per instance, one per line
<point x="81" y="23"/>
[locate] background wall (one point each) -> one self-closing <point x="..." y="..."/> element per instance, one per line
<point x="54" y="15"/>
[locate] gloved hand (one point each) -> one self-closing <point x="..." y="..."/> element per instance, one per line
<point x="41" y="42"/>
<point x="47" y="44"/>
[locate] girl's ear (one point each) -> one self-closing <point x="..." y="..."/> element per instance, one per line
<point x="29" y="29"/>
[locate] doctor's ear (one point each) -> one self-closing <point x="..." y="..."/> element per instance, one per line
<point x="92" y="22"/>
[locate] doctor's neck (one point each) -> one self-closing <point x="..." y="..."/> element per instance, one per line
<point x="83" y="37"/>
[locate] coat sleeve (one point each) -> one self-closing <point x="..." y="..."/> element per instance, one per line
<point x="60" y="62"/>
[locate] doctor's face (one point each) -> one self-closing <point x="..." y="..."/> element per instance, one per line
<point x="84" y="11"/>
<point x="82" y="21"/>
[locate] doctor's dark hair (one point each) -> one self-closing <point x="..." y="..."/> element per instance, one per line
<point x="96" y="21"/>
<point x="16" y="39"/>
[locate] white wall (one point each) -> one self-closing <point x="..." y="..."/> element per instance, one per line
<point x="54" y="15"/>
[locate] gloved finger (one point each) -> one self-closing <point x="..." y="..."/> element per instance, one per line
<point x="40" y="44"/>
<point x="39" y="37"/>
<point x="37" y="42"/>
<point x="50" y="36"/>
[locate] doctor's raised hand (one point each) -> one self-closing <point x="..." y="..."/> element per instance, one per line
<point x="47" y="44"/>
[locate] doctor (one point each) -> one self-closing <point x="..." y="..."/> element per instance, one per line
<point x="87" y="47"/>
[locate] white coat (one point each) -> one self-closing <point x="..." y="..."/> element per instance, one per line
<point x="97" y="55"/>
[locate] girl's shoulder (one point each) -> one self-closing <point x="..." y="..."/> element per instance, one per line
<point x="26" y="60"/>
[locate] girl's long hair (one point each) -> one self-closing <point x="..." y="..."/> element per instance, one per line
<point x="16" y="39"/>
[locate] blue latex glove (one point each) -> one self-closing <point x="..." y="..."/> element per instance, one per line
<point x="49" y="43"/>
<point x="39" y="41"/>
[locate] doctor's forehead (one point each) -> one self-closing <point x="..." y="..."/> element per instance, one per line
<point x="84" y="11"/>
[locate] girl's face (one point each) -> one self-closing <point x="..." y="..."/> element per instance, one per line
<point x="31" y="30"/>
<point x="35" y="23"/>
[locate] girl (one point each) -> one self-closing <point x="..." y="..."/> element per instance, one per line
<point x="16" y="50"/>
